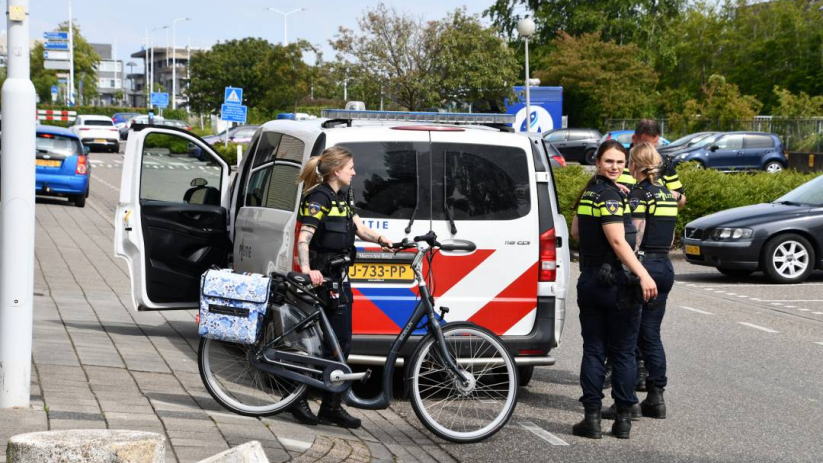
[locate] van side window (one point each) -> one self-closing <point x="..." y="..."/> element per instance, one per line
<point x="283" y="187"/>
<point x="258" y="185"/>
<point x="291" y="149"/>
<point x="484" y="182"/>
<point x="268" y="144"/>
<point x="162" y="180"/>
<point x="758" y="141"/>
<point x="386" y="182"/>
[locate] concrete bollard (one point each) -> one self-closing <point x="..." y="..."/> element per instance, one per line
<point x="87" y="446"/>
<point x="250" y="452"/>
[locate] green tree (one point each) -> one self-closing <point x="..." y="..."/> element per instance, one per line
<point x="720" y="106"/>
<point x="599" y="79"/>
<point x="799" y="106"/>
<point x="285" y="78"/>
<point x="85" y="68"/>
<point x="228" y="64"/>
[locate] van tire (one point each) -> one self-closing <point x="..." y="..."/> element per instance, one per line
<point x="588" y="158"/>
<point x="524" y="374"/>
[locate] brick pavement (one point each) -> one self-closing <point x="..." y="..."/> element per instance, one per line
<point x="97" y="363"/>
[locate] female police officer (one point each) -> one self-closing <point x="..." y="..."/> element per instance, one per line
<point x="327" y="232"/>
<point x="609" y="307"/>
<point x="654" y="211"/>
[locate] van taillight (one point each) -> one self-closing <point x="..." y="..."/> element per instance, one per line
<point x="82" y="167"/>
<point x="548" y="256"/>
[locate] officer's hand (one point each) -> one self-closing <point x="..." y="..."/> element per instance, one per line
<point x="316" y="277"/>
<point x="649" y="288"/>
<point x="624" y="188"/>
<point x="385" y="243"/>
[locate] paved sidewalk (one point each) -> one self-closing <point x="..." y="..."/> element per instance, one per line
<point x="97" y="363"/>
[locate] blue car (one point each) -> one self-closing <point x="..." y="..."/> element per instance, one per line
<point x="735" y="151"/>
<point x="625" y="137"/>
<point x="62" y="165"/>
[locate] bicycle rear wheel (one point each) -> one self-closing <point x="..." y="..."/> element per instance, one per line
<point x="448" y="408"/>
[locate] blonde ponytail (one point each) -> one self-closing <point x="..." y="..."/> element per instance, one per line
<point x="647" y="160"/>
<point x="318" y="169"/>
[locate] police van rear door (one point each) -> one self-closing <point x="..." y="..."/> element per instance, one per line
<point x="483" y="192"/>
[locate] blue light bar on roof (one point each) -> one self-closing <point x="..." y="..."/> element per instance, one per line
<point x="411" y="116"/>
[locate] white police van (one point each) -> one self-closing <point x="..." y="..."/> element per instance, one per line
<point x="464" y="176"/>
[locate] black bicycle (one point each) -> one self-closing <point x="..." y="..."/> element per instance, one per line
<point x="461" y="379"/>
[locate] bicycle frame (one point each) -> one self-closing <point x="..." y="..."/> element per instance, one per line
<point x="262" y="360"/>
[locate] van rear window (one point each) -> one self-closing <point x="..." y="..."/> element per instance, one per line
<point x="482" y="182"/>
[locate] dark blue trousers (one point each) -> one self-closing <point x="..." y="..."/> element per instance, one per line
<point x="649" y="340"/>
<point x="607" y="332"/>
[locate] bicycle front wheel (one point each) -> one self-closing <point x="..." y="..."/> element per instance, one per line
<point x="457" y="411"/>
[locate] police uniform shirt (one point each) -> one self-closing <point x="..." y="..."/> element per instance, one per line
<point x="656" y="205"/>
<point x="602" y="203"/>
<point x="322" y="208"/>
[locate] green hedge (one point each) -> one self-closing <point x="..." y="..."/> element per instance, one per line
<point x="229" y="153"/>
<point x="707" y="191"/>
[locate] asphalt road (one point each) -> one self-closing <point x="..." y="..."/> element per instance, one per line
<point x="745" y="374"/>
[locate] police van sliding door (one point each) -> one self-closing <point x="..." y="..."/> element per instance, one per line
<point x="482" y="192"/>
<point x="392" y="195"/>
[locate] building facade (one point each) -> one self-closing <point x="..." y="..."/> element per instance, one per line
<point x="110" y="77"/>
<point x="158" y="62"/>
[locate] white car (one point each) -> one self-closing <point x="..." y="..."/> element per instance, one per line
<point x="466" y="183"/>
<point x="97" y="132"/>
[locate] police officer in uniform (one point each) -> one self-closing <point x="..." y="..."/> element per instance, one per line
<point x="608" y="300"/>
<point x="654" y="211"/>
<point x="328" y="228"/>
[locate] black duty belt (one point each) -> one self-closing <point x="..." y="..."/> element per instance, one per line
<point x="596" y="260"/>
<point x="653" y="255"/>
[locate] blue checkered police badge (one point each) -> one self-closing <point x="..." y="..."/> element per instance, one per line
<point x="314" y="208"/>
<point x="612" y="206"/>
<point x="634" y="202"/>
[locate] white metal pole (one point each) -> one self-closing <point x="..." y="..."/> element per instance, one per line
<point x="17" y="228"/>
<point x="71" y="58"/>
<point x="528" y="98"/>
<point x="146" y="65"/>
<point x="173" y="67"/>
<point x="188" y="61"/>
<point x="114" y="56"/>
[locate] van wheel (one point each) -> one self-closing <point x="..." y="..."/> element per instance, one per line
<point x="525" y="375"/>
<point x="788" y="258"/>
<point x="588" y="158"/>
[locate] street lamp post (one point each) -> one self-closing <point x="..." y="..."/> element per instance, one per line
<point x="174" y="63"/>
<point x="525" y="27"/>
<point x="151" y="62"/>
<point x="285" y="22"/>
<point x="131" y="65"/>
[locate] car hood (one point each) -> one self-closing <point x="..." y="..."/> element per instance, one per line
<point x="748" y="216"/>
<point x="211" y="139"/>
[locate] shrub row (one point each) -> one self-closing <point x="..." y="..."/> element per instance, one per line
<point x="707" y="191"/>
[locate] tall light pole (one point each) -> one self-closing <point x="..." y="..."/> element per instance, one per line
<point x="130" y="77"/>
<point x="174" y="63"/>
<point x="71" y="58"/>
<point x="285" y="22"/>
<point x="525" y="27"/>
<point x="151" y="63"/>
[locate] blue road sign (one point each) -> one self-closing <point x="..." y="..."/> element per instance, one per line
<point x="233" y="96"/>
<point x="56" y="35"/>
<point x="62" y="81"/>
<point x="161" y="100"/>
<point x="233" y="113"/>
<point x="56" y="46"/>
<point x="55" y="89"/>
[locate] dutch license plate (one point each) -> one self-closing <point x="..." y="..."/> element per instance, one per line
<point x="47" y="163"/>
<point x="100" y="140"/>
<point x="378" y="272"/>
<point x="693" y="250"/>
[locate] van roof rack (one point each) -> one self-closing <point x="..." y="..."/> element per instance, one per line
<point x="340" y="116"/>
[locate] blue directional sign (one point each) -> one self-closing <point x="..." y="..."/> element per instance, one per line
<point x="233" y="113"/>
<point x="56" y="35"/>
<point x="161" y="100"/>
<point x="233" y="96"/>
<point x="62" y="81"/>
<point x="54" y="90"/>
<point x="56" y="46"/>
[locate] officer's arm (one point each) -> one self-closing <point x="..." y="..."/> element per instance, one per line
<point x="367" y="234"/>
<point x="681" y="199"/>
<point x="575" y="228"/>
<point x="616" y="235"/>
<point x="640" y="225"/>
<point x="303" y="240"/>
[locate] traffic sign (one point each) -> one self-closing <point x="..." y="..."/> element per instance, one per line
<point x="233" y="113"/>
<point x="63" y="81"/>
<point x="56" y="46"/>
<point x="56" y="35"/>
<point x="59" y="65"/>
<point x="161" y="100"/>
<point x="233" y="96"/>
<point x="54" y="89"/>
<point x="58" y="55"/>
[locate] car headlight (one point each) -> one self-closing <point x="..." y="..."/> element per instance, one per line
<point x="721" y="234"/>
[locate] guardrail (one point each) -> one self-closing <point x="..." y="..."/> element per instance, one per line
<point x="54" y="115"/>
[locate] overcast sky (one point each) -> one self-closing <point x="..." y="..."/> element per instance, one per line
<point x="126" y="21"/>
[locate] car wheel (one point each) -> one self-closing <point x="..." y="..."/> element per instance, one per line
<point x="524" y="375"/>
<point x="773" y="167"/>
<point x="735" y="272"/>
<point x="588" y="158"/>
<point x="788" y="258"/>
<point x="79" y="200"/>
<point x="700" y="165"/>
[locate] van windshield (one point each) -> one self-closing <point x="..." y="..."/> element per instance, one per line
<point x="57" y="146"/>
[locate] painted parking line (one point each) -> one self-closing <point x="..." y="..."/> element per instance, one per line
<point x="696" y="310"/>
<point x="792" y="300"/>
<point x="758" y="327"/>
<point x="821" y="343"/>
<point x="542" y="433"/>
<point x="818" y="313"/>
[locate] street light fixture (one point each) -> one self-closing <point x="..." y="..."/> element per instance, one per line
<point x="525" y="27"/>
<point x="151" y="62"/>
<point x="285" y="22"/>
<point x="174" y="63"/>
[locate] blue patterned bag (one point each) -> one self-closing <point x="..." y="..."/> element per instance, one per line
<point x="232" y="305"/>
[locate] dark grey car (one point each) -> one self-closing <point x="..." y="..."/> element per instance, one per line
<point x="784" y="239"/>
<point x="575" y="144"/>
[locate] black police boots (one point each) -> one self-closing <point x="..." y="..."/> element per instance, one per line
<point x="611" y="413"/>
<point x="331" y="411"/>
<point x="590" y="426"/>
<point x="302" y="413"/>
<point x="654" y="406"/>
<point x="622" y="426"/>
<point x="642" y="373"/>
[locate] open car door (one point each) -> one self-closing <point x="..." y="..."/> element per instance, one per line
<point x="171" y="222"/>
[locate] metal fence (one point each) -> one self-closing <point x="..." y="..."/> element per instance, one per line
<point x="797" y="134"/>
